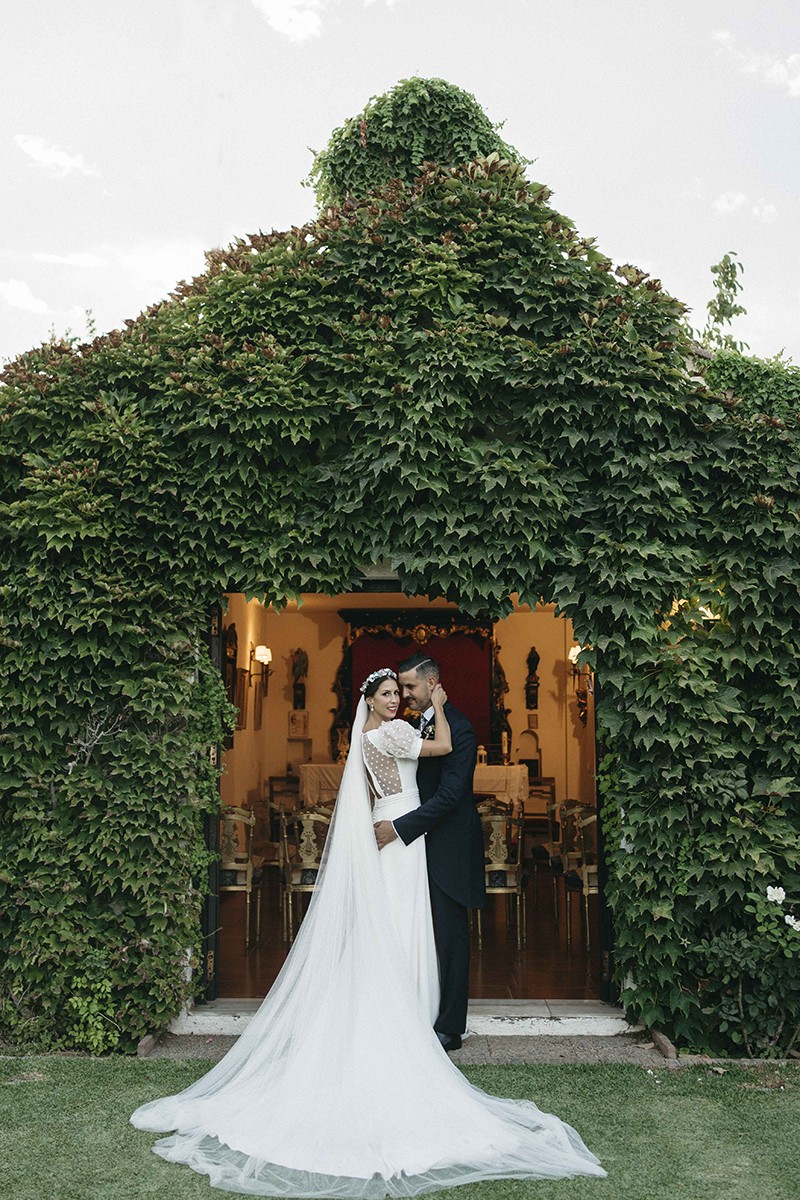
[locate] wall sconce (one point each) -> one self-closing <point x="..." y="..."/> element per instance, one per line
<point x="572" y="658"/>
<point x="696" y="612"/>
<point x="263" y="655"/>
<point x="585" y="679"/>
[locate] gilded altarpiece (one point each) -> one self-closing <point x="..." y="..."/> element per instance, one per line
<point x="465" y="649"/>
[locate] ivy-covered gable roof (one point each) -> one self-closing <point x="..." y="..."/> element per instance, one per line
<point x="442" y="373"/>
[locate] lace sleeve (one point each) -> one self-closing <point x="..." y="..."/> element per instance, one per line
<point x="398" y="740"/>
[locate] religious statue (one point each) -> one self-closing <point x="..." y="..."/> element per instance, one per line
<point x="231" y="653"/>
<point x="532" y="681"/>
<point x="343" y="738"/>
<point x="299" y="661"/>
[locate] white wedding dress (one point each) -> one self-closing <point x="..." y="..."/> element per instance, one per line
<point x="390" y="757"/>
<point x="339" y="1086"/>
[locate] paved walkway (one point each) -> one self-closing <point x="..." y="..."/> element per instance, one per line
<point x="621" y="1048"/>
<point x="493" y="1018"/>
<point x="512" y="1031"/>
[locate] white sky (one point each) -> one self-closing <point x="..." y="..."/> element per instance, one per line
<point x="134" y="135"/>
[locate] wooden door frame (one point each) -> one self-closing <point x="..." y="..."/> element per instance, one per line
<point x="209" y="918"/>
<point x="609" y="990"/>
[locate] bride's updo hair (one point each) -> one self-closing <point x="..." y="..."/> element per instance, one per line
<point x="371" y="684"/>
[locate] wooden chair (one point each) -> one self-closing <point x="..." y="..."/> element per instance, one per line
<point x="282" y="796"/>
<point x="283" y="793"/>
<point x="303" y="836"/>
<point x="553" y="847"/>
<point x="583" y="877"/>
<point x="561" y="851"/>
<point x="239" y="870"/>
<point x="541" y="792"/>
<point x="503" y="835"/>
<point x="569" y="813"/>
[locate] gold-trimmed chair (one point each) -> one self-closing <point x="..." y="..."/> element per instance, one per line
<point x="303" y="837"/>
<point x="239" y="869"/>
<point x="583" y="877"/>
<point x="282" y="795"/>
<point x="561" y="842"/>
<point x="504" y="839"/>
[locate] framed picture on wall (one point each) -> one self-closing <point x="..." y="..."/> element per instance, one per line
<point x="298" y="723"/>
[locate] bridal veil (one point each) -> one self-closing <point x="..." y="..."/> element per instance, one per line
<point x="339" y="1087"/>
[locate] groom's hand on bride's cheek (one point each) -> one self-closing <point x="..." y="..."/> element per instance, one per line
<point x="384" y="833"/>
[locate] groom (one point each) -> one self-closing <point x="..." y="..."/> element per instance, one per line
<point x="454" y="844"/>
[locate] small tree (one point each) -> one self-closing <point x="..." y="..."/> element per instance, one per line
<point x="723" y="307"/>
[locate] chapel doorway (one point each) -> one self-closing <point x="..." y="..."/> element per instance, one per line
<point x="291" y="676"/>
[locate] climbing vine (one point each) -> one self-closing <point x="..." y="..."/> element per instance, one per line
<point x="532" y="420"/>
<point x="418" y="121"/>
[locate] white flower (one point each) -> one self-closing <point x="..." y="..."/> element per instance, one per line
<point x="776" y="894"/>
<point x="792" y="922"/>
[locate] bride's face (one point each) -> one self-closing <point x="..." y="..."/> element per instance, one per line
<point x="386" y="700"/>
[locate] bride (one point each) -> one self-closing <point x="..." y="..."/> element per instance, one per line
<point x="391" y="749"/>
<point x="339" y="1086"/>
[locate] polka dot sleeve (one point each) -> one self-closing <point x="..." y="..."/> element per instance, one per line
<point x="398" y="740"/>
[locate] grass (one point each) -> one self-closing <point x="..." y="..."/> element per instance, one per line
<point x="690" y="1134"/>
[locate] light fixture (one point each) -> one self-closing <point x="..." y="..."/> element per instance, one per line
<point x="581" y="677"/>
<point x="263" y="655"/>
<point x="692" y="610"/>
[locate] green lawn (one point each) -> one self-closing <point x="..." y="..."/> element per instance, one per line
<point x="673" y="1135"/>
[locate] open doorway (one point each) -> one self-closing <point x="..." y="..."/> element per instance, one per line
<point x="291" y="675"/>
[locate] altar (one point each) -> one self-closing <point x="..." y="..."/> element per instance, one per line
<point x="319" y="783"/>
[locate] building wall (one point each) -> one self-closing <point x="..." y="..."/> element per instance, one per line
<point x="567" y="746"/>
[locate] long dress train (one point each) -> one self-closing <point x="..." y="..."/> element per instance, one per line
<point x="339" y="1086"/>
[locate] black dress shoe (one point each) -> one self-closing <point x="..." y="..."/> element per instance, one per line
<point x="450" y="1041"/>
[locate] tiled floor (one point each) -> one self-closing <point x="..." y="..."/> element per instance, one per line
<point x="546" y="965"/>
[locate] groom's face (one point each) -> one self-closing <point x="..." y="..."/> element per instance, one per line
<point x="416" y="689"/>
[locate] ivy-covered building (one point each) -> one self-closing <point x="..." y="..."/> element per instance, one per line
<point x="442" y="374"/>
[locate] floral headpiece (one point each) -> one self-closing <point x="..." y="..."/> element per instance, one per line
<point x="383" y="673"/>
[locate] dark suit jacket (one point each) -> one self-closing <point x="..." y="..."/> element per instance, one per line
<point x="447" y="814"/>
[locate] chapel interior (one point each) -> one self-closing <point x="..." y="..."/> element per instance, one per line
<point x="293" y="675"/>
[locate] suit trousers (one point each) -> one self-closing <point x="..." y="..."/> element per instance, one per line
<point x="451" y="927"/>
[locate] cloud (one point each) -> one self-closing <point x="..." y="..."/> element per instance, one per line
<point x="298" y="20"/>
<point x="154" y="265"/>
<point x="51" y="158"/>
<point x="765" y="212"/>
<point x="75" y="259"/>
<point x="159" y="264"/>
<point x="729" y="202"/>
<point x="19" y="295"/>
<point x="780" y="72"/>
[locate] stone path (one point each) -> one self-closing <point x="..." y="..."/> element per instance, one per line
<point x="633" y="1048"/>
<point x="502" y="1031"/>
